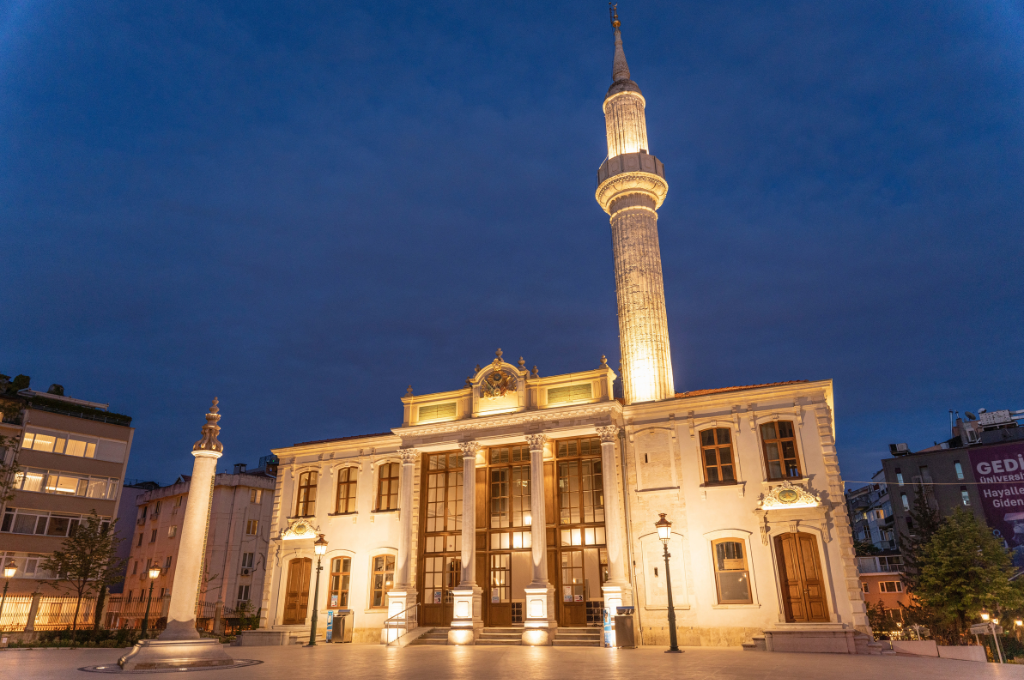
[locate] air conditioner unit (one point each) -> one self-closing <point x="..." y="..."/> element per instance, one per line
<point x="246" y="571"/>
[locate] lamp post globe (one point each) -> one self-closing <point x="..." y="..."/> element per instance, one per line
<point x="985" y="616"/>
<point x="154" y="574"/>
<point x="664" y="528"/>
<point x="320" y="549"/>
<point x="10" y="569"/>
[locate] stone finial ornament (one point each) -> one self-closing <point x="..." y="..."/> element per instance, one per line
<point x="210" y="430"/>
<point x="604" y="361"/>
<point x="535" y="374"/>
<point x="498" y="355"/>
<point x="408" y="391"/>
<point x="522" y="364"/>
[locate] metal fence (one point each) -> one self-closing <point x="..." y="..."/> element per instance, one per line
<point x="53" y="613"/>
<point x="15" y="613"/>
<point x="121" y="612"/>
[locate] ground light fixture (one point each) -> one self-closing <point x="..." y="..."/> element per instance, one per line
<point x="664" y="533"/>
<point x="320" y="548"/>
<point x="154" y="574"/>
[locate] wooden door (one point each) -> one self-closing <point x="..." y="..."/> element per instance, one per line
<point x="800" y="575"/>
<point x="499" y="612"/>
<point x="572" y="589"/>
<point x="296" y="600"/>
<point x="441" y="574"/>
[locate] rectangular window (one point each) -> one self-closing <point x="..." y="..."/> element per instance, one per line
<point x="731" y="574"/>
<point x="781" y="461"/>
<point x="716" y="454"/>
<point x="172" y="531"/>
<point x="251" y="526"/>
<point x="306" y="505"/>
<point x="964" y="496"/>
<point x="243" y="594"/>
<point x="345" y="500"/>
<point x="255" y="495"/>
<point x="959" y="469"/>
<point x="590" y="446"/>
<point x="383" y="579"/>
<point x="247" y="560"/>
<point x="890" y="587"/>
<point x="140" y="540"/>
<point x="167" y="563"/>
<point x="387" y="486"/>
<point x="338" y="595"/>
<point x="135" y="570"/>
<point x="866" y="589"/>
<point x="906" y="503"/>
<point x="580" y="492"/>
<point x="152" y="538"/>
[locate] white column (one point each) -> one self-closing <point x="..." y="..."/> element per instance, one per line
<point x="539" y="623"/>
<point x="617" y="589"/>
<point x="404" y="594"/>
<point x="466" y="617"/>
<point x="181" y="615"/>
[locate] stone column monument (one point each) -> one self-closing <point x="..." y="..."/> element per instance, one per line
<point x="180" y="645"/>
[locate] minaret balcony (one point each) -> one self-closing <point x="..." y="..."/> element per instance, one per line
<point x="631" y="173"/>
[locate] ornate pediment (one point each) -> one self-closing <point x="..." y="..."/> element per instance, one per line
<point x="786" y="496"/>
<point x="298" y="529"/>
<point x="499" y="381"/>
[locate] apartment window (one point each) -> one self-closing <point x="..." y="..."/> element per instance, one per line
<point x="306" y="506"/>
<point x="172" y="531"/>
<point x="899" y="476"/>
<point x="247" y="560"/>
<point x="41" y="523"/>
<point x="340" y="568"/>
<point x="959" y="469"/>
<point x="152" y="537"/>
<point x="251" y="527"/>
<point x="143" y="512"/>
<point x="162" y="591"/>
<point x="243" y="594"/>
<point x="926" y="476"/>
<point x="135" y="570"/>
<point x="716" y="453"/>
<point x="780" y="455"/>
<point x="383" y="579"/>
<point x="130" y="592"/>
<point x="866" y="589"/>
<point x="255" y="495"/>
<point x="387" y="486"/>
<point x="140" y="541"/>
<point x="167" y="563"/>
<point x="964" y="496"/>
<point x="890" y="587"/>
<point x="64" y="484"/>
<point x="906" y="503"/>
<point x="731" y="573"/>
<point x="345" y="501"/>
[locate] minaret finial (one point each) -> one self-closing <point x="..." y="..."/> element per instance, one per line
<point x="210" y="430"/>
<point x="620" y="69"/>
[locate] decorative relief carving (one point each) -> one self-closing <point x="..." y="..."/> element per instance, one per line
<point x="631" y="182"/>
<point x="408" y="456"/>
<point x="299" y="529"/>
<point x="608" y="433"/>
<point x="536" y="441"/>
<point x="786" y="495"/>
<point x="469" y="449"/>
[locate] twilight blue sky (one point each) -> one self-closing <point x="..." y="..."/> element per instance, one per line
<point x="304" y="207"/>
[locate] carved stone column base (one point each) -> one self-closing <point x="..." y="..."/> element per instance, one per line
<point x="617" y="595"/>
<point x="168" y="654"/>
<point x="467" y="622"/>
<point x="539" y="621"/>
<point x="399" y="600"/>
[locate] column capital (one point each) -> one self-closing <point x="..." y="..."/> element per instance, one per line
<point x="408" y="456"/>
<point x="608" y="433"/>
<point x="536" y="441"/>
<point x="469" y="449"/>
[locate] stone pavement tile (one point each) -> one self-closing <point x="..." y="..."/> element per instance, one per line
<point x="520" y="663"/>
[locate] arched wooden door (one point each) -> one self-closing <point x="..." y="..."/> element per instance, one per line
<point x="296" y="599"/>
<point x="801" y="578"/>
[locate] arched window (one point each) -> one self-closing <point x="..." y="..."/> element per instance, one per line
<point x="346" y="498"/>
<point x="731" y="574"/>
<point x="387" y="486"/>
<point x="780" y="456"/>
<point x="717" y="456"/>
<point x="306" y="505"/>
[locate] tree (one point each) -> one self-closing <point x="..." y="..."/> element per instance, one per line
<point x="882" y="620"/>
<point x="865" y="548"/>
<point x="926" y="522"/>
<point x="87" y="561"/>
<point x="964" y="568"/>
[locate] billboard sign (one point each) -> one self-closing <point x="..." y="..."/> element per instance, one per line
<point x="999" y="471"/>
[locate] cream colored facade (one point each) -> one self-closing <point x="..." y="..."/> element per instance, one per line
<point x="528" y="501"/>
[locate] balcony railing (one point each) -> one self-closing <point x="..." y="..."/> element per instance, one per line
<point x="880" y="564"/>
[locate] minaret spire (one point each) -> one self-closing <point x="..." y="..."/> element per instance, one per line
<point x="620" y="69"/>
<point x="631" y="188"/>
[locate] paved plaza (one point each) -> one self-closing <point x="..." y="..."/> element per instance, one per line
<point x="521" y="663"/>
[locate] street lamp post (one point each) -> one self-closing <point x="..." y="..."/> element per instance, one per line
<point x="10" y="569"/>
<point x="154" y="574"/>
<point x="992" y="623"/>
<point x="664" y="533"/>
<point x="320" y="548"/>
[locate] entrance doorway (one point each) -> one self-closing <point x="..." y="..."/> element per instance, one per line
<point x="442" y="536"/>
<point x="440" y="575"/>
<point x="803" y="587"/>
<point x="296" y="600"/>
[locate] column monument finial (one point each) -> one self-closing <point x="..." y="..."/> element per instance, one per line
<point x="209" y="441"/>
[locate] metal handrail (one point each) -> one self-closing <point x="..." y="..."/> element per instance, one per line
<point x="390" y="622"/>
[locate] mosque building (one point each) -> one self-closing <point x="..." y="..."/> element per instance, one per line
<point x="518" y="508"/>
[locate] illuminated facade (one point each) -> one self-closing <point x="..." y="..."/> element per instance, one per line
<point x="520" y="508"/>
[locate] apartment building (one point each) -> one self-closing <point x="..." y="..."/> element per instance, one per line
<point x="236" y="545"/>
<point x="72" y="456"/>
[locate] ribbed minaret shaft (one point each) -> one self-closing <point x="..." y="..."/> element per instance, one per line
<point x="631" y="187"/>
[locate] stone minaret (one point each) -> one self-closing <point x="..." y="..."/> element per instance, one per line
<point x="631" y="187"/>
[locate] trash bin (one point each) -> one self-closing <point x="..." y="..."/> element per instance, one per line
<point x="624" y="636"/>
<point x="341" y="630"/>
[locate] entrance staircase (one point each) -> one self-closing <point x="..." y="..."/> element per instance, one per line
<point x="500" y="636"/>
<point x="578" y="637"/>
<point x="434" y="636"/>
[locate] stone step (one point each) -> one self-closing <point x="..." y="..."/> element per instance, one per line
<point x="499" y="641"/>
<point x="562" y="642"/>
<point x="429" y="641"/>
<point x="757" y="644"/>
<point x="562" y="632"/>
